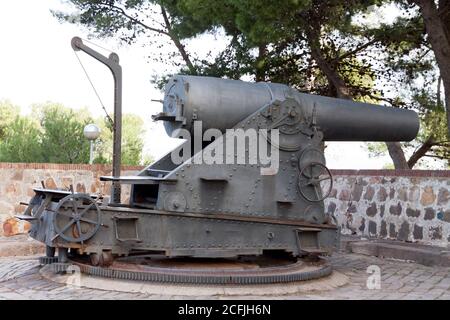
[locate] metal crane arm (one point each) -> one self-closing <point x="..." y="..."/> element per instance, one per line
<point x="112" y="62"/>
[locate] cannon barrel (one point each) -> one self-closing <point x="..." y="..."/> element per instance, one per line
<point x="222" y="103"/>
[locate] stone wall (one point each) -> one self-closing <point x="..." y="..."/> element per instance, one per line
<point x="17" y="181"/>
<point x="393" y="204"/>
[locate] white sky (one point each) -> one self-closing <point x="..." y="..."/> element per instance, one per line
<point x="37" y="64"/>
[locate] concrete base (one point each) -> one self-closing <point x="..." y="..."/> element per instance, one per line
<point x="333" y="281"/>
<point x="422" y="254"/>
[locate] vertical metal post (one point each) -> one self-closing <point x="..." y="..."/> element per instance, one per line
<point x="112" y="62"/>
<point x="91" y="151"/>
<point x="117" y="131"/>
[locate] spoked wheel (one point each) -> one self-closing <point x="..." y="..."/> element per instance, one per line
<point x="318" y="176"/>
<point x="76" y="218"/>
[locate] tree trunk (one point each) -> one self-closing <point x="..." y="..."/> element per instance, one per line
<point x="437" y="30"/>
<point x="260" y="70"/>
<point x="397" y="155"/>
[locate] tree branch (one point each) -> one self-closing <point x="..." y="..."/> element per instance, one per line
<point x="136" y="21"/>
<point x="356" y="50"/>
<point x="435" y="156"/>
<point x="168" y="33"/>
<point x="419" y="153"/>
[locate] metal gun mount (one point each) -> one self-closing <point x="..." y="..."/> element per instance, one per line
<point x="222" y="210"/>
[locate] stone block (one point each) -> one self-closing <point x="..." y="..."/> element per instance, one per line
<point x="395" y="210"/>
<point x="13" y="226"/>
<point x="331" y="207"/>
<point x="443" y="196"/>
<point x="66" y="182"/>
<point x="383" y="229"/>
<point x="362" y="226"/>
<point x="428" y="197"/>
<point x="50" y="183"/>
<point x="403" y="232"/>
<point x="372" y="228"/>
<point x="435" y="233"/>
<point x="414" y="193"/>
<point x="430" y="214"/>
<point x="382" y="207"/>
<point x="370" y="192"/>
<point x="382" y="194"/>
<point x="402" y="194"/>
<point x="391" y="193"/>
<point x="446" y="216"/>
<point x="80" y="187"/>
<point x="372" y="210"/>
<point x="418" y="232"/>
<point x="412" y="212"/>
<point x="357" y="192"/>
<point x="392" y="231"/>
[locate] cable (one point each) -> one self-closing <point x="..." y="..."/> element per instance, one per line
<point x="95" y="90"/>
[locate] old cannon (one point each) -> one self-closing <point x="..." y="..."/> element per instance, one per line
<point x="206" y="200"/>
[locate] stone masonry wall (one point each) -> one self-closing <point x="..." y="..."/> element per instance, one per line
<point x="17" y="181"/>
<point x="393" y="204"/>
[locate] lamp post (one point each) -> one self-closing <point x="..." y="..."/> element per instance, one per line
<point x="91" y="132"/>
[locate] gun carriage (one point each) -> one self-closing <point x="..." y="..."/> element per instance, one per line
<point x="218" y="210"/>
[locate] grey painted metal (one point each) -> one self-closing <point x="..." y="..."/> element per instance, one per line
<point x="222" y="103"/>
<point x="226" y="210"/>
<point x="112" y="62"/>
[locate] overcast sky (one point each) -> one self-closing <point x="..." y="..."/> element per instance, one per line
<point x="37" y="64"/>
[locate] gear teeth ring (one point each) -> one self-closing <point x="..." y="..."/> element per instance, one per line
<point x="47" y="260"/>
<point x="286" y="274"/>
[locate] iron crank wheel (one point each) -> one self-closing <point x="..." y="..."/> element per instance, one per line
<point x="76" y="218"/>
<point x="312" y="175"/>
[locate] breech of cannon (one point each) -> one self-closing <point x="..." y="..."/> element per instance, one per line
<point x="222" y="103"/>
